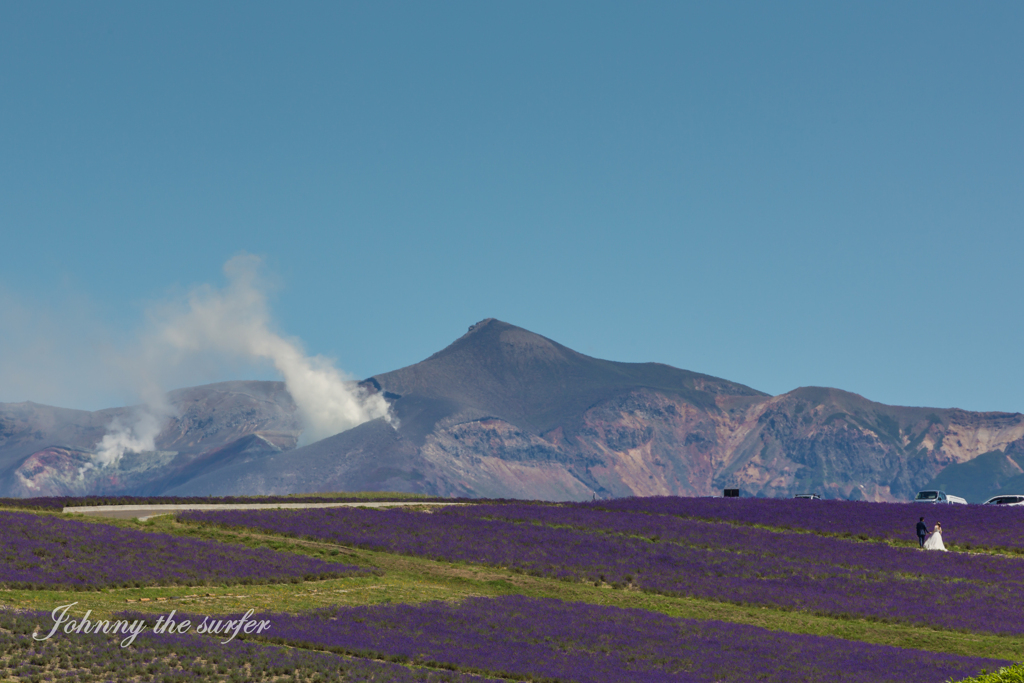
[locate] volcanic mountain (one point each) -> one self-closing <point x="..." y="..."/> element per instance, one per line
<point x="503" y="412"/>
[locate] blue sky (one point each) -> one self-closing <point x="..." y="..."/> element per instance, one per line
<point x="781" y="194"/>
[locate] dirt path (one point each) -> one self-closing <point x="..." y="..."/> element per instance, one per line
<point x="144" y="512"/>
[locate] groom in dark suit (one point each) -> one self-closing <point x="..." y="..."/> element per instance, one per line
<point x="922" y="531"/>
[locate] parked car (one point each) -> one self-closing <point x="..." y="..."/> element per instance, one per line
<point x="938" y="497"/>
<point x="809" y="496"/>
<point x="1005" y="500"/>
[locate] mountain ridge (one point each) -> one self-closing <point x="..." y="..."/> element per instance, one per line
<point x="504" y="412"/>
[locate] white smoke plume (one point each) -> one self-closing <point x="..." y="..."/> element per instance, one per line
<point x="137" y="431"/>
<point x="139" y="435"/>
<point x="234" y="323"/>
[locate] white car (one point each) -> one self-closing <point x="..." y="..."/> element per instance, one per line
<point x="1005" y="500"/>
<point x="938" y="497"/>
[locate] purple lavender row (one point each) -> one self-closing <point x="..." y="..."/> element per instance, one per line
<point x="753" y="541"/>
<point x="50" y="552"/>
<point x="667" y="568"/>
<point x="90" y="658"/>
<point x="985" y="526"/>
<point x="519" y="637"/>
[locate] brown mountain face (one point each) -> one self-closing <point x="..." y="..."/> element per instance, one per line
<point x="841" y="444"/>
<point x="503" y="412"/>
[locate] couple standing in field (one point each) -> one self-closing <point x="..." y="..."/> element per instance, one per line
<point x="933" y="542"/>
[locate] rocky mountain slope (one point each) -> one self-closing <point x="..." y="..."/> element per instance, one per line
<point x="50" y="451"/>
<point x="503" y="412"/>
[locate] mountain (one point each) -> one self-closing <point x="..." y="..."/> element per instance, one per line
<point x="48" y="451"/>
<point x="497" y="413"/>
<point x="989" y="474"/>
<point x="503" y="412"/>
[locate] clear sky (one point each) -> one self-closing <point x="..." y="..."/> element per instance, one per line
<point x="781" y="194"/>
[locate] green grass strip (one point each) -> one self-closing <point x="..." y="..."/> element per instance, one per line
<point x="1009" y="674"/>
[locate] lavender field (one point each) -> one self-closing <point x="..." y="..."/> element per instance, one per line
<point x="804" y="548"/>
<point x="594" y="549"/>
<point x="164" y="658"/>
<point x="49" y="552"/>
<point x="521" y="638"/>
<point x="673" y="556"/>
<point x="964" y="526"/>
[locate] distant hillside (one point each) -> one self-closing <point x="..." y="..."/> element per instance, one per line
<point x="503" y="412"/>
<point x="47" y="451"/>
<point x="990" y="474"/>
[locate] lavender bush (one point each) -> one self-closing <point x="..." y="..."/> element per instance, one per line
<point x="50" y="552"/>
<point x="796" y="571"/>
<point x="545" y="639"/>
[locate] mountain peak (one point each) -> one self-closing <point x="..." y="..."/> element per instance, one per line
<point x="483" y="323"/>
<point x="493" y="339"/>
<point x="526" y="379"/>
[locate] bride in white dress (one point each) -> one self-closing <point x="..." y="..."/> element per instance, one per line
<point x="934" y="541"/>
